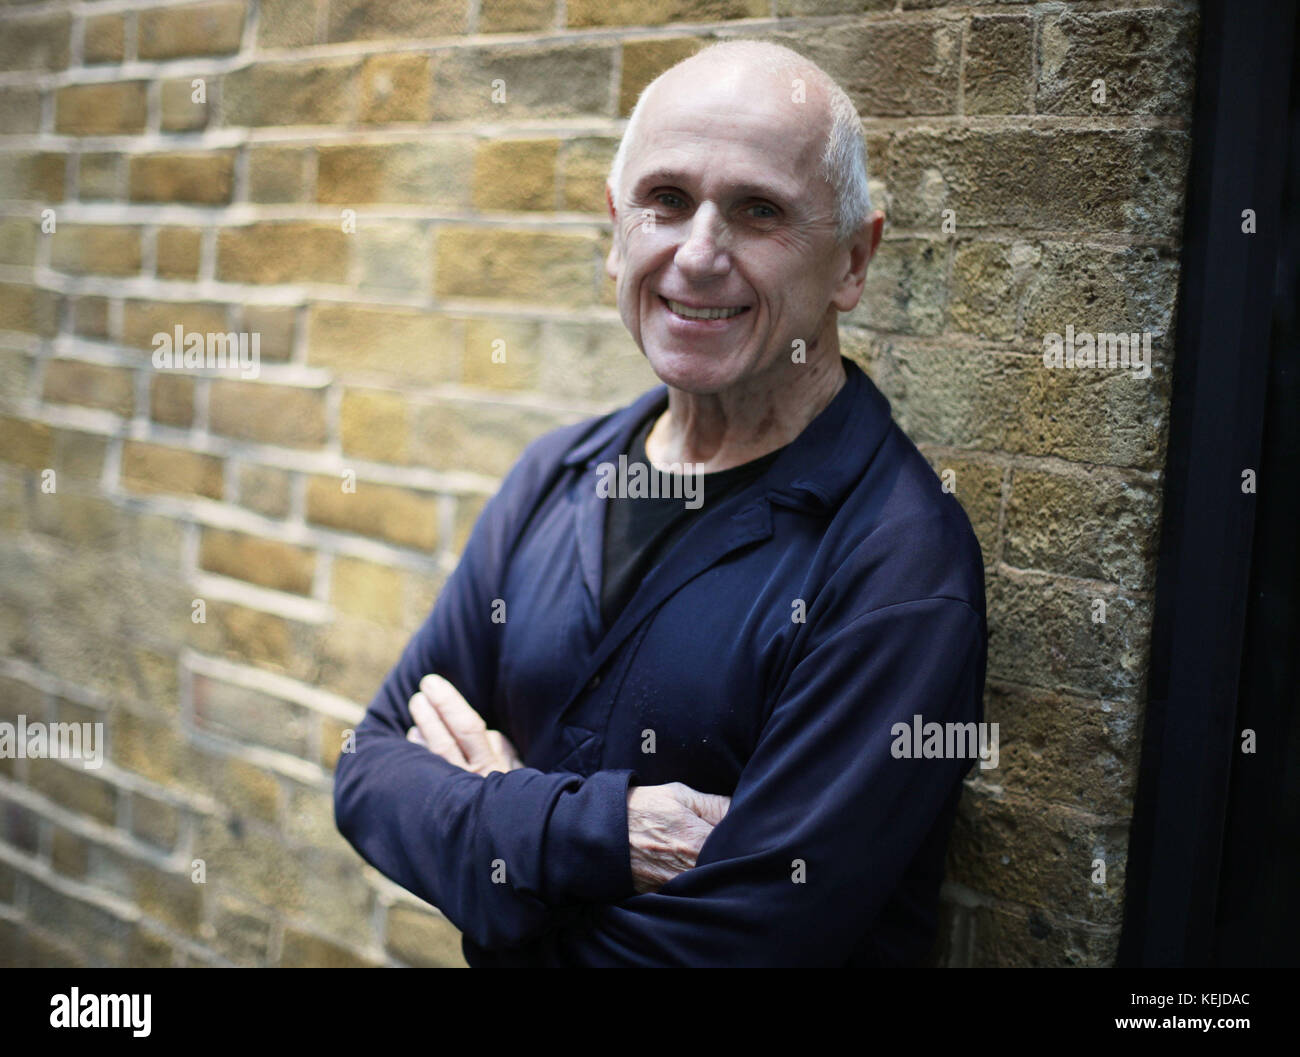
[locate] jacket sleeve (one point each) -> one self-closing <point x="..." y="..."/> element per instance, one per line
<point x="825" y="817"/>
<point x="496" y="854"/>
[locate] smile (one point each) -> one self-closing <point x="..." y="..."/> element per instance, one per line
<point x="686" y="312"/>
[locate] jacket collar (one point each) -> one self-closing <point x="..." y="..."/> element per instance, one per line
<point x="815" y="470"/>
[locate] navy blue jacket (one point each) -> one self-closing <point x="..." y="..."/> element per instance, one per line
<point x="770" y="653"/>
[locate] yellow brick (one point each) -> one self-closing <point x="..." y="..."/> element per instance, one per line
<point x="205" y="177"/>
<point x="515" y="174"/>
<point x="410" y="346"/>
<point x="36" y="177"/>
<point x="501" y="264"/>
<point x="104" y="40"/>
<point x="178" y="252"/>
<point x="367" y="590"/>
<point x="112" y="108"/>
<point x="28" y="309"/>
<point x="154" y="468"/>
<point x="180" y="112"/>
<point x="395" y="88"/>
<point x="282" y="253"/>
<point x="194" y="29"/>
<point x="269" y="563"/>
<point x="25" y="443"/>
<point x="399" y="515"/>
<point x="583" y="13"/>
<point x="90" y="385"/>
<point x="171" y="400"/>
<point x="269" y="414"/>
<point x="141" y="320"/>
<point x="373" y="424"/>
<point x="644" y="60"/>
<point x="101" y="249"/>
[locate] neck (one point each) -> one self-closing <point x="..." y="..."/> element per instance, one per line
<point x="759" y="414"/>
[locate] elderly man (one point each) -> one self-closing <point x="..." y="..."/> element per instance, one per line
<point x="652" y="717"/>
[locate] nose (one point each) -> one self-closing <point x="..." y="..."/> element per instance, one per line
<point x="704" y="252"/>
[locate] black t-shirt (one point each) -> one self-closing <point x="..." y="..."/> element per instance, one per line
<point x="638" y="532"/>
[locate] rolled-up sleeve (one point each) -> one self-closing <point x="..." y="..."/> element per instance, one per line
<point x="825" y="817"/>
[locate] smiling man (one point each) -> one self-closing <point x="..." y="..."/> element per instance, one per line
<point x="641" y="730"/>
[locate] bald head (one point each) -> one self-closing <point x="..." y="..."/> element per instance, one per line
<point x="765" y="82"/>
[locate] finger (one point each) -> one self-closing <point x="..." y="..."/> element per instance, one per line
<point x="710" y="807"/>
<point x="436" y="735"/>
<point x="415" y="736"/>
<point x="505" y="752"/>
<point x="464" y="724"/>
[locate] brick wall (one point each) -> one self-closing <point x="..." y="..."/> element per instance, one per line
<point x="345" y="179"/>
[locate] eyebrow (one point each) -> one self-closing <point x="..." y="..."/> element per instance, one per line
<point x="747" y="188"/>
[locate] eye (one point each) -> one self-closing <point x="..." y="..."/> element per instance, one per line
<point x="677" y="202"/>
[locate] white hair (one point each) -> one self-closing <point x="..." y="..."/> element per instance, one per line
<point x="844" y="160"/>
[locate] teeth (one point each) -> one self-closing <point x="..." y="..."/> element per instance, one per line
<point x="703" y="313"/>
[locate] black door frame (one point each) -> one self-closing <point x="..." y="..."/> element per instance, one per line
<point x="1220" y="382"/>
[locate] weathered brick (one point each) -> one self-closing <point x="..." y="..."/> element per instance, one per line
<point x="515" y="174"/>
<point x="101" y="935"/>
<point x="393" y="257"/>
<point x="240" y="932"/>
<point x="287" y="23"/>
<point x="504" y="16"/>
<point x="367" y="590"/>
<point x="582" y="13"/>
<point x="274" y="325"/>
<point x="596" y="361"/>
<point x="907" y="288"/>
<point x="184" y="106"/>
<point x="1091" y="180"/>
<point x="399" y="515"/>
<point x="148" y="950"/>
<point x="110" y="108"/>
<point x="18" y="241"/>
<point x="174" y="899"/>
<point x="433" y="174"/>
<point x="502" y="353"/>
<point x="101" y="249"/>
<point x="394" y="19"/>
<point x="264" y="489"/>
<point x="301" y="950"/>
<point x="90" y="317"/>
<point x="249" y="635"/>
<point x="291" y="93"/>
<point x="37" y="42"/>
<point x="269" y="563"/>
<point x="178" y="253"/>
<point x="395" y="88"/>
<point x="193" y="29"/>
<point x="141" y="320"/>
<point x="68" y="853"/>
<point x="24" y="443"/>
<point x="278" y="174"/>
<point x="154" y="468"/>
<point x="245" y="860"/>
<point x="251" y="716"/>
<point x="644" y="60"/>
<point x="36" y="177"/>
<point x="171" y="400"/>
<point x="888" y="69"/>
<point x="421" y="938"/>
<point x="1039" y="855"/>
<point x="90" y="385"/>
<point x="155" y="821"/>
<point x="79" y="455"/>
<point x="105" y="37"/>
<point x="269" y="414"/>
<point x="584" y="166"/>
<point x="205" y="177"/>
<point x="410" y="346"/>
<point x="28" y="309"/>
<point x="86" y="522"/>
<point x="374" y="425"/>
<point x="20" y="109"/>
<point x="560" y="80"/>
<point x="1145" y="57"/>
<point x="999" y="65"/>
<point x="99" y="175"/>
<point x="1099" y="527"/>
<point x="978" y="488"/>
<point x="293" y="251"/>
<point x="71" y="786"/>
<point x="1063" y="750"/>
<point x="498" y="263"/>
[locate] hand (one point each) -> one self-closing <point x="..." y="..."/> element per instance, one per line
<point x="666" y="827"/>
<point x="448" y="726"/>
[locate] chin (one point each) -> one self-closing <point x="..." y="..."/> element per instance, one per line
<point x="693" y="372"/>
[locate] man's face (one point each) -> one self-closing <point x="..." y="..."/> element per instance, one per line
<point x="723" y="208"/>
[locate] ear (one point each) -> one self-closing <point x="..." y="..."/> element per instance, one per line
<point x="614" y="260"/>
<point x="861" y="248"/>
